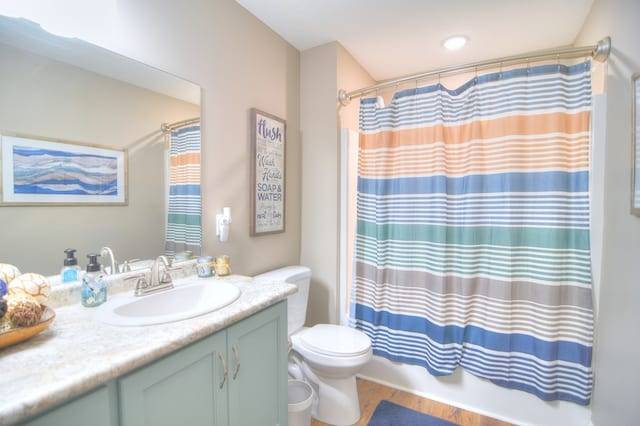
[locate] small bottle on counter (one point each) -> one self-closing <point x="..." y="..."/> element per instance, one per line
<point x="222" y="266"/>
<point x="71" y="268"/>
<point x="94" y="289"/>
<point x="205" y="264"/>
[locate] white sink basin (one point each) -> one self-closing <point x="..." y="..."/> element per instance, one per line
<point x="189" y="298"/>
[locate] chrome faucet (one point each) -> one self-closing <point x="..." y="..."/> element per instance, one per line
<point x="113" y="263"/>
<point x="160" y="278"/>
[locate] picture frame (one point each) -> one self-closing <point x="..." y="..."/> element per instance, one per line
<point x="635" y="144"/>
<point x="38" y="171"/>
<point x="268" y="149"/>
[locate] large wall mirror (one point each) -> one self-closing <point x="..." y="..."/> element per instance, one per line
<point x="65" y="89"/>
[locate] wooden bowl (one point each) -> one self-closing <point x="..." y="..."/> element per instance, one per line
<point x="18" y="334"/>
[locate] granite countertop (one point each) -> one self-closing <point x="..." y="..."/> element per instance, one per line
<point x="77" y="353"/>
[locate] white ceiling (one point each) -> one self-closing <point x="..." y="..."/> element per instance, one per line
<point x="394" y="38"/>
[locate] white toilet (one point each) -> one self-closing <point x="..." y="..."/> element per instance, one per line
<point x="326" y="356"/>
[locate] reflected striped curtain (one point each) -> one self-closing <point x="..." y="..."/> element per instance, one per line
<point x="472" y="244"/>
<point x="184" y="229"/>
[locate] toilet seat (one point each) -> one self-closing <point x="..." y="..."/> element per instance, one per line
<point x="335" y="340"/>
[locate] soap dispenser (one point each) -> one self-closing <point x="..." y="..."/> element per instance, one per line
<point x="71" y="268"/>
<point x="94" y="289"/>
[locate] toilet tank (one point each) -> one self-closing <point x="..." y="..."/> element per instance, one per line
<point x="297" y="302"/>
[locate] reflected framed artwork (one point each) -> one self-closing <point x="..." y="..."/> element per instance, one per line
<point x="37" y="171"/>
<point x="267" y="173"/>
<point x="635" y="144"/>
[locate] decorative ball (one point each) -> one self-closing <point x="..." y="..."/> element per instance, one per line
<point x="32" y="284"/>
<point x="7" y="274"/>
<point x="14" y="299"/>
<point x="25" y="313"/>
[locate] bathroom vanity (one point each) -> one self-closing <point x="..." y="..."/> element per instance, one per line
<point x="227" y="367"/>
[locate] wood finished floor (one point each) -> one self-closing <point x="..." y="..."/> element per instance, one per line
<point x="371" y="394"/>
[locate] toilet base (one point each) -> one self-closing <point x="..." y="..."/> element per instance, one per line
<point x="337" y="402"/>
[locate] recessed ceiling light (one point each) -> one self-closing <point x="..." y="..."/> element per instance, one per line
<point x="454" y="42"/>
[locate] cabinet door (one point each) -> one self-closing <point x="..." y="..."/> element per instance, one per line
<point x="184" y="388"/>
<point x="257" y="350"/>
<point x="97" y="408"/>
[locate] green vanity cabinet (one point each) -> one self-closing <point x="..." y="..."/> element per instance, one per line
<point x="234" y="377"/>
<point x="97" y="408"/>
<point x="189" y="387"/>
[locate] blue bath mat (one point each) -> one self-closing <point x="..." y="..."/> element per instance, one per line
<point x="390" y="414"/>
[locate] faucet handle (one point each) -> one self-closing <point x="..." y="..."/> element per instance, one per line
<point x="126" y="266"/>
<point x="141" y="285"/>
<point x="166" y="278"/>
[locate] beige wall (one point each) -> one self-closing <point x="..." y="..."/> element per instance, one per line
<point x="52" y="100"/>
<point x="253" y="67"/>
<point x="323" y="71"/>
<point x="320" y="166"/>
<point x="239" y="63"/>
<point x="617" y="365"/>
<point x="351" y="76"/>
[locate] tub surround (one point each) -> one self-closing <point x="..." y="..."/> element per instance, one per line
<point x="77" y="353"/>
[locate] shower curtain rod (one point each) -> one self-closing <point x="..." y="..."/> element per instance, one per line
<point x="169" y="127"/>
<point x="599" y="52"/>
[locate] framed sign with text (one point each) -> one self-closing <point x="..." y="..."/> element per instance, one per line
<point x="267" y="173"/>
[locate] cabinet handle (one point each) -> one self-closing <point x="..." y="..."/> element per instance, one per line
<point x="235" y="353"/>
<point x="224" y="365"/>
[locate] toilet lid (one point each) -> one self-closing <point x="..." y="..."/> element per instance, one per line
<point x="336" y="340"/>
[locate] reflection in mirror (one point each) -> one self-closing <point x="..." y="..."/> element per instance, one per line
<point x="66" y="89"/>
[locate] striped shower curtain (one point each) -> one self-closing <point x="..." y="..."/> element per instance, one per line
<point x="184" y="230"/>
<point x="472" y="245"/>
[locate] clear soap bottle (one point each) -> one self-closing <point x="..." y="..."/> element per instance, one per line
<point x="94" y="289"/>
<point x="71" y="269"/>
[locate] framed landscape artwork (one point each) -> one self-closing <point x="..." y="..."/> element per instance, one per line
<point x="38" y="171"/>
